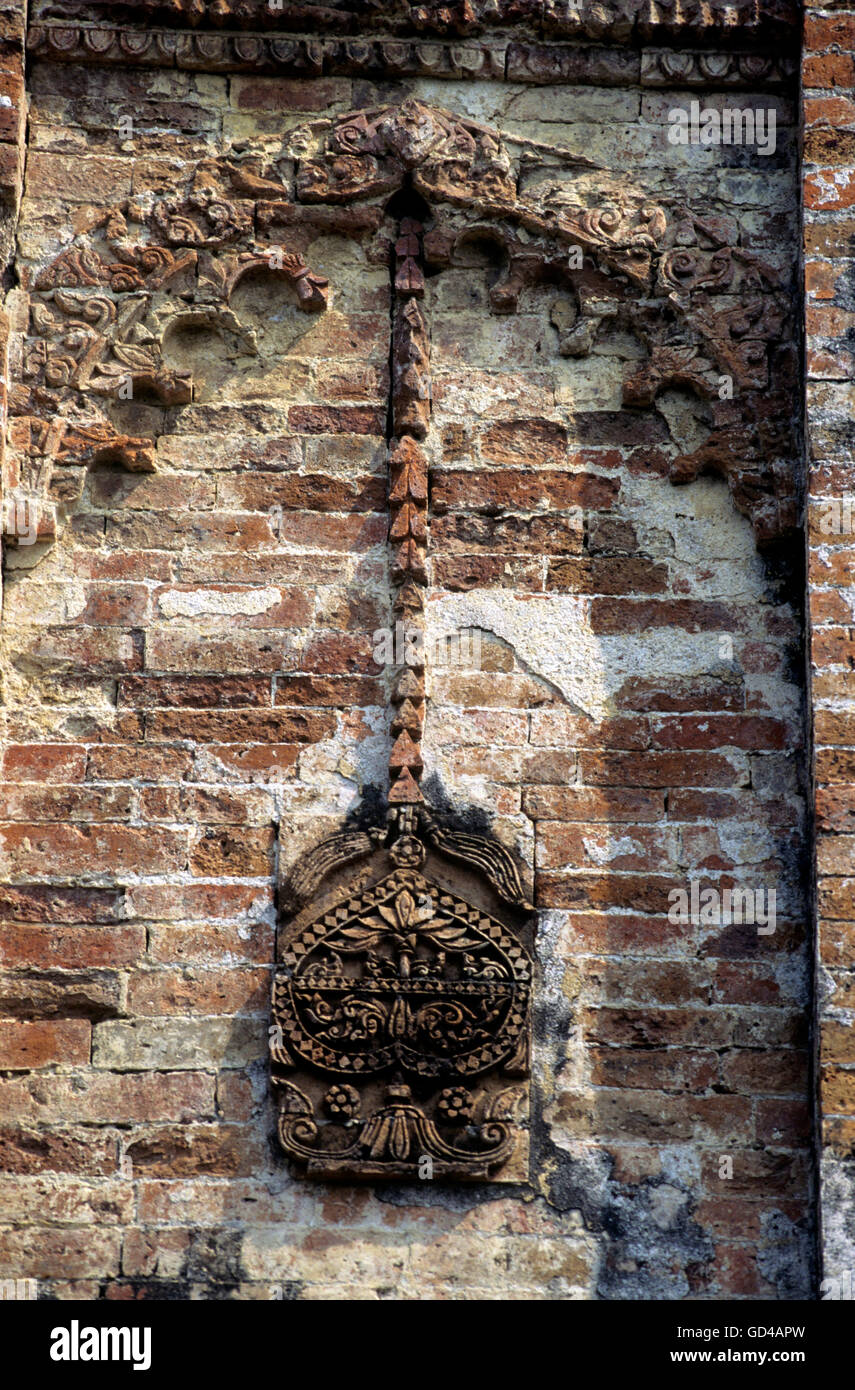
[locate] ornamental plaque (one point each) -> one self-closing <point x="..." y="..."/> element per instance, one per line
<point x="401" y="1008"/>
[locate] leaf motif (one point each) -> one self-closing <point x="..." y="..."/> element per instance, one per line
<point x="361" y="936"/>
<point x="390" y="916"/>
<point x="134" y="356"/>
<point x="405" y="905"/>
<point x="458" y="938"/>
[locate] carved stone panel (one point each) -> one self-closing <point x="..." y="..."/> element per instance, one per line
<point x="401" y="1009"/>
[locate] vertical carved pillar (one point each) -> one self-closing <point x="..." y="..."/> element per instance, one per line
<point x="408" y="493"/>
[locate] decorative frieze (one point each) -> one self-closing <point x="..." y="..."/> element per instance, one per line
<point x="756" y="20"/>
<point x="486" y="60"/>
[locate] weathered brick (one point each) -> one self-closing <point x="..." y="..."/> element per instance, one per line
<point x="195" y="991"/>
<point x="69" y="948"/>
<point x="78" y="1151"/>
<point x="241" y="727"/>
<point x="81" y="849"/>
<point x="27" y="1046"/>
<point x="106" y="1098"/>
<point x="194" y="1150"/>
<point x="505" y="490"/>
<point x="151" y="1044"/>
<point x="58" y="1253"/>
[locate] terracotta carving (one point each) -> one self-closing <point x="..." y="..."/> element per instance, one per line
<point x="711" y="313"/>
<point x="401" y="1012"/>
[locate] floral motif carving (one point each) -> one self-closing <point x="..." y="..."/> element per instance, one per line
<point x="705" y="306"/>
<point x="417" y="1003"/>
<point x="480" y="59"/>
<point x="99" y="315"/>
<point x="708" y="309"/>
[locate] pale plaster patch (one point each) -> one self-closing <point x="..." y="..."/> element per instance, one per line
<point x="240" y="601"/>
<point x="551" y="635"/>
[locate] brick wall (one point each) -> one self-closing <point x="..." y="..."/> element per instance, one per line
<point x="192" y="698"/>
<point x="829" y="118"/>
<point x="13" y="105"/>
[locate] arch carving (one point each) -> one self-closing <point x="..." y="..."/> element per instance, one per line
<point x="711" y="312"/>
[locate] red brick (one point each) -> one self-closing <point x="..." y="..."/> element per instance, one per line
<point x="835" y="765"/>
<point x="539" y="535"/>
<point x="524" y="442"/>
<point x="642" y="892"/>
<point x="835" y="727"/>
<point x="697" y="693"/>
<point x="837" y="1091"/>
<point x="115" y="605"/>
<point x="828" y="147"/>
<point x="55" y="904"/>
<point x="586" y="804"/>
<point x="739" y="1218"/>
<point x="82" y="177"/>
<point x="211" y="943"/>
<point x="194" y="692"/>
<point x="660" y="770"/>
<point x="336" y="690"/>
<point x="199" y="991"/>
<point x="34" y="849"/>
<point x="33" y="762"/>
<point x="829" y="189"/>
<point x="562" y="846"/>
<point x="54" y="1254"/>
<point x="757" y="1072"/>
<point x="342" y="419"/>
<point x="195" y="1150"/>
<point x="156" y="1254"/>
<point x="460" y="573"/>
<point x="822" y="32"/>
<point x="301" y="492"/>
<point x="261" y="763"/>
<point x="198" y="901"/>
<point x="738" y="1272"/>
<point x="127" y="762"/>
<point x="289" y="94"/>
<point x="784" y="1123"/>
<point x="244" y="726"/>
<point x="835" y="808"/>
<point x="614" y="615"/>
<point x="507" y="490"/>
<point x="721" y="731"/>
<point x="607" y="575"/>
<point x="28" y="1046"/>
<point x="829" y="70"/>
<point x="99" y="1098"/>
<point x="283" y="608"/>
<point x="70" y="948"/>
<point x="665" y="1069"/>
